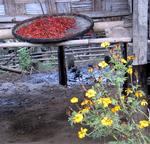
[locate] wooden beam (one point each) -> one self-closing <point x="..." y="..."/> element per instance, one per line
<point x="105" y="14"/>
<point x="27" y="1"/>
<point x="67" y="43"/>
<point x="95" y="15"/>
<point x="6" y="34"/>
<point x="140" y="29"/>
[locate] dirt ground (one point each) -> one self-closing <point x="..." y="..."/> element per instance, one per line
<point x="36" y="113"/>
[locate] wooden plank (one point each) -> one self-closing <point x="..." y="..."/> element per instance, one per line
<point x="140" y="28"/>
<point x="35" y="9"/>
<point x="108" y="5"/>
<point x="1" y="2"/>
<point x="97" y="5"/>
<point x="85" y="5"/>
<point x="104" y="5"/>
<point x="10" y="7"/>
<point x="67" y="43"/>
<point x="120" y="5"/>
<point x="2" y="9"/>
<point x="90" y="14"/>
<point x="27" y="1"/>
<point x="64" y="7"/>
<point x="51" y="6"/>
<point x="106" y="14"/>
<point x="20" y="9"/>
<point x="67" y="1"/>
<point x="130" y="5"/>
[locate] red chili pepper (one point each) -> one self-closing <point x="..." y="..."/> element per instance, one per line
<point x="48" y="27"/>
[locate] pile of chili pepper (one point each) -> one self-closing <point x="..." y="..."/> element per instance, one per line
<point x="48" y="27"/>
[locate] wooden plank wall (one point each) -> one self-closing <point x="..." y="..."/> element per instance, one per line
<point x="32" y="7"/>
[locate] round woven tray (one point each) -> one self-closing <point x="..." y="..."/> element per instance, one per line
<point x="83" y="25"/>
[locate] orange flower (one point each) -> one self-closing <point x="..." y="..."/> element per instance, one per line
<point x="86" y="102"/>
<point x="116" y="109"/>
<point x="138" y="94"/>
<point x="90" y="69"/>
<point x="132" y="57"/>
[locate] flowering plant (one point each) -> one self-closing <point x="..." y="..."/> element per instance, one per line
<point x="109" y="109"/>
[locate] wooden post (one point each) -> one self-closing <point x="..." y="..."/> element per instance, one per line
<point x="140" y="38"/>
<point x="124" y="54"/>
<point x="140" y="43"/>
<point x="140" y="31"/>
<point x="62" y="66"/>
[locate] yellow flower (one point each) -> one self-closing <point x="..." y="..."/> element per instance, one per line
<point x="143" y="124"/>
<point x="103" y="64"/>
<point x="116" y="56"/>
<point x="123" y="61"/>
<point x="86" y="102"/>
<point x="90" y="93"/>
<point x="132" y="57"/>
<point x="122" y="97"/>
<point x="90" y="69"/>
<point x="107" y="121"/>
<point x="78" y="118"/>
<point x="105" y="44"/>
<point x="144" y="102"/>
<point x="82" y="133"/>
<point x="130" y="70"/>
<point x="128" y="91"/>
<point x="138" y="93"/>
<point x="116" y="109"/>
<point x="74" y="100"/>
<point x="104" y="101"/>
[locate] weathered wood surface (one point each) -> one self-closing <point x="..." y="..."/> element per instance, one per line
<point x="9" y="19"/>
<point x="68" y="43"/>
<point x="140" y="29"/>
<point x="130" y="3"/>
<point x="15" y="7"/>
